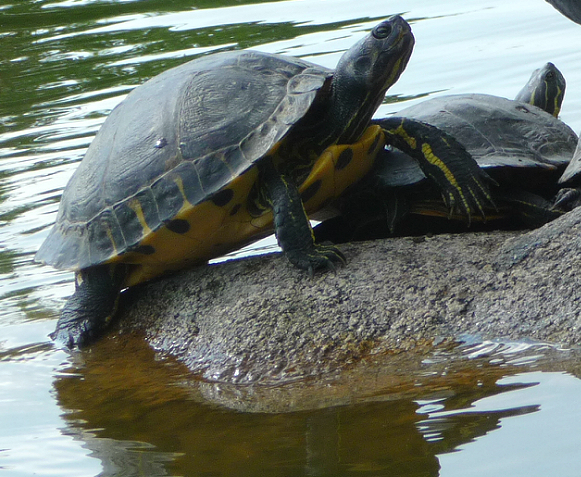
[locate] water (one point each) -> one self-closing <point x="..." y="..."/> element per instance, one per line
<point x="120" y="410"/>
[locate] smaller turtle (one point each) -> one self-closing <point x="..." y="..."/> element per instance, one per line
<point x="545" y="89"/>
<point x="519" y="143"/>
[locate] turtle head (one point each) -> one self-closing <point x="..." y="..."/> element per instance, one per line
<point x="545" y="89"/>
<point x="367" y="70"/>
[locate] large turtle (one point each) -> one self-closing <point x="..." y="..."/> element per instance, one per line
<point x="520" y="143"/>
<point x="214" y="153"/>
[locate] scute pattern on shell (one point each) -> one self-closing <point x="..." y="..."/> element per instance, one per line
<point x="183" y="135"/>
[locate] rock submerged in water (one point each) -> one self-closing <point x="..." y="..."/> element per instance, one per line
<point x="259" y="320"/>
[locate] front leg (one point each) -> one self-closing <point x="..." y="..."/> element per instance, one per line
<point x="87" y="313"/>
<point x="291" y="224"/>
<point x="446" y="162"/>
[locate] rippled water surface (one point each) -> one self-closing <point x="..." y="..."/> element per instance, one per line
<point x="119" y="410"/>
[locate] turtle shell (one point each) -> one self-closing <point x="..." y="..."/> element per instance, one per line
<point x="180" y="138"/>
<point x="572" y="174"/>
<point x="499" y="133"/>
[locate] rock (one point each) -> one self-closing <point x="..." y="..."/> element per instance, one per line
<point x="260" y="320"/>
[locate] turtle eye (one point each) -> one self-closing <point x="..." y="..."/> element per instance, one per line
<point x="382" y="31"/>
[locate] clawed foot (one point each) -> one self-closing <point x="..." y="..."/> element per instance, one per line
<point x="317" y="257"/>
<point x="88" y="312"/>
<point x="445" y="161"/>
<point x="567" y="199"/>
<point x="74" y="331"/>
<point x="470" y="196"/>
<point x="73" y="335"/>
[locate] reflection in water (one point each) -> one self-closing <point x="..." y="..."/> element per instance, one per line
<point x="142" y="415"/>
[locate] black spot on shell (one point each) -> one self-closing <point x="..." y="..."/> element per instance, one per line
<point x="223" y="197"/>
<point x="235" y="209"/>
<point x="344" y="159"/>
<point x="178" y="226"/>
<point x="311" y="191"/>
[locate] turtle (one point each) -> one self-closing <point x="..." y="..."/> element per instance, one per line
<point x="220" y="151"/>
<point x="570" y="8"/>
<point x="520" y="143"/>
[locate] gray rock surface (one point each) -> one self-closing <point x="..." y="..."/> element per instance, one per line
<point x="260" y="320"/>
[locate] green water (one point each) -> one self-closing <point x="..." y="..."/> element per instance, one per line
<point x="119" y="409"/>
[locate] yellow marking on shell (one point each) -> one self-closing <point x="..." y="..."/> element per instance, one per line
<point x="206" y="217"/>
<point x="264" y="221"/>
<point x="142" y="272"/>
<point x="213" y="232"/>
<point x="333" y="181"/>
<point x="135" y="206"/>
<point x="321" y="173"/>
<point x="180" y="183"/>
<point x="111" y="238"/>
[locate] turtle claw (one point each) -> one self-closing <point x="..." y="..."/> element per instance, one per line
<point x="482" y="197"/>
<point x="319" y="257"/>
<point x="63" y="339"/>
<point x="472" y="197"/>
<point x="89" y="311"/>
<point x="76" y="328"/>
<point x="74" y="334"/>
<point x="567" y="199"/>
